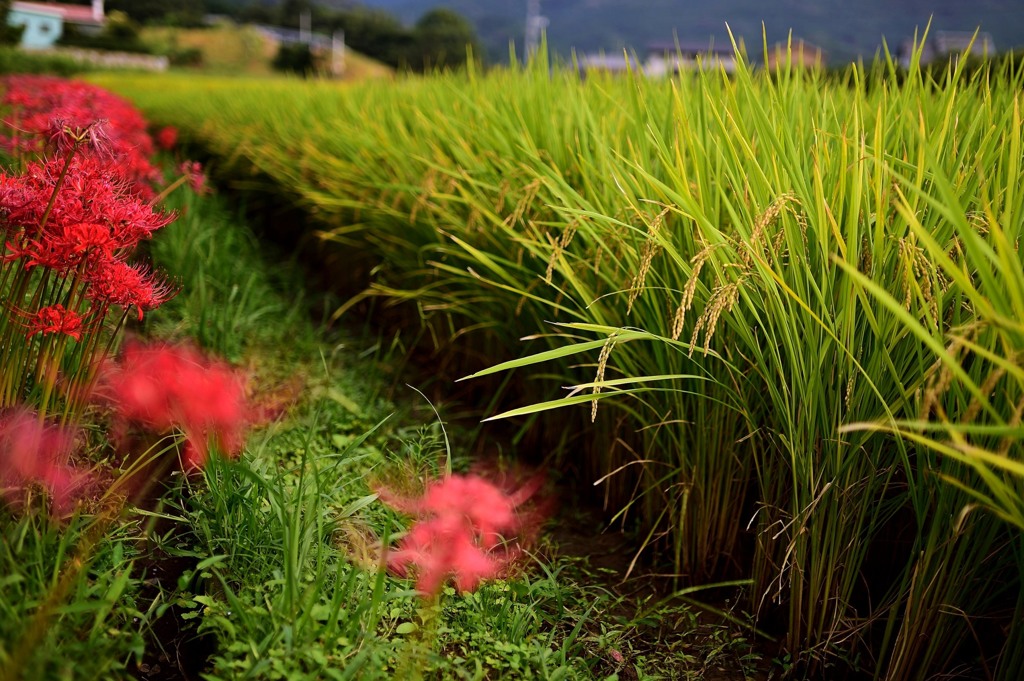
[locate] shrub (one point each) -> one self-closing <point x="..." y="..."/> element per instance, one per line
<point x="13" y="60"/>
<point x="294" y="58"/>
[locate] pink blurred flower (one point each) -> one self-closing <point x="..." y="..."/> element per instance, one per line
<point x="33" y="452"/>
<point x="162" y="387"/>
<point x="193" y="171"/>
<point x="460" y="523"/>
<point x="442" y="547"/>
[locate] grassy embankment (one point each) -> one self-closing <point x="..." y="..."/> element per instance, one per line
<point x="228" y="49"/>
<point x="744" y="272"/>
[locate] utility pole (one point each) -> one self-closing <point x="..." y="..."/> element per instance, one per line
<point x="305" y="27"/>
<point x="338" y="53"/>
<point x="535" y="25"/>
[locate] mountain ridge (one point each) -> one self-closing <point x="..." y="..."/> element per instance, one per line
<point x="845" y="31"/>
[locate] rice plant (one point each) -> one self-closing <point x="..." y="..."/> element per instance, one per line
<point x="733" y="274"/>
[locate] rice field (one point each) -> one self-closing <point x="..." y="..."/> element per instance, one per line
<point x="776" y="317"/>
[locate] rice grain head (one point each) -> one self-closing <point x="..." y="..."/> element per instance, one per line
<point x="428" y="185"/>
<point x="530" y="193"/>
<point x="690" y="289"/>
<point x="765" y="220"/>
<point x="556" y="253"/>
<point x="723" y="298"/>
<point x="602" y="364"/>
<point x="650" y="249"/>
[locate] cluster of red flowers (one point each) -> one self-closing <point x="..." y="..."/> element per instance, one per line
<point x="466" y="528"/>
<point x="164" y="387"/>
<point x="85" y="228"/>
<point x="56" y="319"/>
<point x="45" y="111"/>
<point x="70" y="221"/>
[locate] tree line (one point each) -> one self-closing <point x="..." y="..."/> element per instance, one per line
<point x="441" y="38"/>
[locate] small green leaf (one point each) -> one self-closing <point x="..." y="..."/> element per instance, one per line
<point x="357" y="505"/>
<point x="211" y="561"/>
<point x="564" y="402"/>
<point x="344" y="401"/>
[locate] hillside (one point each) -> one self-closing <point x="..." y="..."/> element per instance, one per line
<point x="845" y="29"/>
<point x="235" y="50"/>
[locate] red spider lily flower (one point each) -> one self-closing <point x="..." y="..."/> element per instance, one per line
<point x="32" y="452"/>
<point x="89" y="196"/>
<point x="82" y="237"/>
<point x="46" y="253"/>
<point x="56" y="319"/>
<point x="167" y="137"/>
<point x="134" y="221"/>
<point x="72" y="128"/>
<point x="64" y="113"/>
<point x="162" y="387"/>
<point x="114" y="282"/>
<point x="23" y="198"/>
<point x="62" y="249"/>
<point x="460" y="523"/>
<point x="193" y="170"/>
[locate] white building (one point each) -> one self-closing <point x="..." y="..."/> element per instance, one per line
<point x="665" y="59"/>
<point x="44" y="22"/>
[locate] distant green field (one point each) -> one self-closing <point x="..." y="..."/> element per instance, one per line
<point x="788" y="310"/>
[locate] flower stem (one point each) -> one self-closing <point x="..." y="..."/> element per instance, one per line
<point x="58" y="185"/>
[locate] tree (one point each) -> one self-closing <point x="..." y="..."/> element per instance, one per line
<point x="120" y="34"/>
<point x="442" y="38"/>
<point x="294" y="58"/>
<point x="292" y="9"/>
<point x="9" y="35"/>
<point x="184" y="12"/>
<point x="376" y="34"/>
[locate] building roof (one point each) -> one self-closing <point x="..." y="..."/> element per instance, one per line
<point x="943" y="43"/>
<point x="797" y="52"/>
<point x="690" y="47"/>
<point x="73" y="14"/>
<point x="608" y="62"/>
<point x="959" y="41"/>
<point x="290" y="36"/>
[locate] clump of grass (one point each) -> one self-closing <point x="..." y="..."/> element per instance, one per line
<point x="232" y="301"/>
<point x="100" y="630"/>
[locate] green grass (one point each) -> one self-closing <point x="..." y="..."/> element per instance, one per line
<point x="739" y="271"/>
<point x="286" y="599"/>
<point x="229" y="302"/>
<point x="99" y="628"/>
